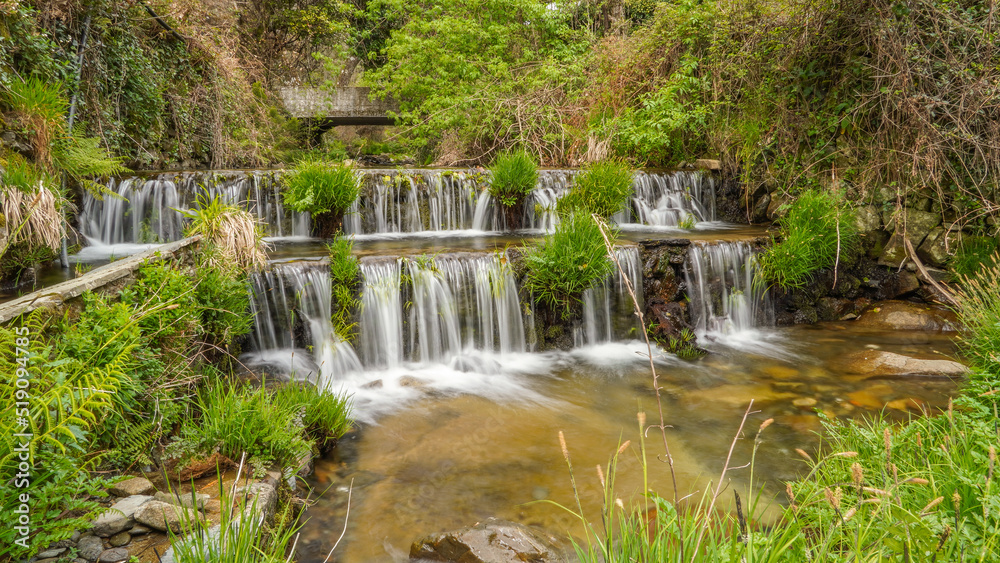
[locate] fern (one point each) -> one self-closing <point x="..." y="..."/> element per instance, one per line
<point x="83" y="158"/>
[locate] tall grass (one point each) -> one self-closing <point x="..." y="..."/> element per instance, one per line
<point x="602" y="188"/>
<point x="318" y="187"/>
<point x="818" y="229"/>
<point x="236" y="234"/>
<point x="979" y="312"/>
<point x="562" y="266"/>
<point x="345" y="273"/>
<point x="40" y="108"/>
<point x="973" y="253"/>
<point x="513" y="176"/>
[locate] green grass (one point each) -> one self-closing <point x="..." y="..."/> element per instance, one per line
<point x="317" y="186"/>
<point x="345" y="271"/>
<point x="602" y="188"/>
<point x="973" y="254"/>
<point x="818" y="229"/>
<point x="513" y="176"/>
<point x="562" y="266"/>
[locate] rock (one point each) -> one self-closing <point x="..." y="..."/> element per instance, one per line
<point x="760" y="209"/>
<point x="804" y="402"/>
<point x="131" y="487"/>
<point x="183" y="499"/>
<point x="935" y="249"/>
<point x="910" y="404"/>
<point x="868" y="219"/>
<point x="777" y="208"/>
<point x="708" y="164"/>
<point x="903" y="315"/>
<point x="162" y="516"/>
<point x="55" y="552"/>
<point x="120" y="516"/>
<point x="780" y="372"/>
<point x="90" y="547"/>
<point x="832" y="308"/>
<point x="878" y="363"/>
<point x="737" y="396"/>
<point x="870" y="397"/>
<point x="410" y="381"/>
<point x="120" y="539"/>
<point x="898" y="284"/>
<point x="915" y="224"/>
<point x="261" y="500"/>
<point x="491" y="541"/>
<point x="115" y="555"/>
<point x="139" y="530"/>
<point x="373" y="384"/>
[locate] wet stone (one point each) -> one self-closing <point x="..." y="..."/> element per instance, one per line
<point x="134" y="486"/>
<point x="114" y="555"/>
<point x="51" y="553"/>
<point x="804" y="402"/>
<point x="90" y="547"/>
<point x="120" y="539"/>
<point x="139" y="530"/>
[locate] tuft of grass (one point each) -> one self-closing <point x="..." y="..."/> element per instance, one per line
<point x="973" y="254"/>
<point x="980" y="316"/>
<point x="513" y="176"/>
<point x="31" y="217"/>
<point x="317" y="186"/>
<point x="345" y="272"/>
<point x="233" y="232"/>
<point x="39" y="107"/>
<point x="818" y="229"/>
<point x="324" y="414"/>
<point x="602" y="188"/>
<point x="562" y="266"/>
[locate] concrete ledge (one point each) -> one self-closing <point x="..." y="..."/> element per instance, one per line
<point x="59" y="294"/>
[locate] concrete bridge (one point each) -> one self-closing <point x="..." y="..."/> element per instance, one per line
<point x="322" y="109"/>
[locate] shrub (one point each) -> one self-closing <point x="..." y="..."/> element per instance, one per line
<point x="317" y="187"/>
<point x="514" y="175"/>
<point x="603" y="188"/>
<point x="570" y="261"/>
<point x="818" y="229"/>
<point x="223" y="299"/>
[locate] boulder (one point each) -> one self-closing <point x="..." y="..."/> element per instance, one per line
<point x="114" y="555"/>
<point x="90" y="547"/>
<point x="491" y="541"/>
<point x="120" y="539"/>
<point x="131" y="487"/>
<point x="868" y="219"/>
<point x="903" y="315"/>
<point x="898" y="284"/>
<point x="164" y="516"/>
<point x="261" y="500"/>
<point x="777" y="207"/>
<point x="934" y="251"/>
<point x="878" y="363"/>
<point x="120" y="516"/>
<point x="914" y="224"/>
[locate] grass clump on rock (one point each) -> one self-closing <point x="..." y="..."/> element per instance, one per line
<point x="818" y="229"/>
<point x="574" y="258"/>
<point x="603" y="188"/>
<point x="323" y="189"/>
<point x="513" y="176"/>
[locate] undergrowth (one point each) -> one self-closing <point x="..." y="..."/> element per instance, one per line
<point x="602" y="188"/>
<point x="318" y="186"/>
<point x="513" y="177"/>
<point x="345" y="272"/>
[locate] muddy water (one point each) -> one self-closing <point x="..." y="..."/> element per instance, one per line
<point x="440" y="454"/>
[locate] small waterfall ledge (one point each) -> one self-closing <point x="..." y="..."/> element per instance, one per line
<point x="146" y="210"/>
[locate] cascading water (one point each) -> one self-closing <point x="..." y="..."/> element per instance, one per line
<point x="457" y="304"/>
<point x="401" y="201"/>
<point x="139" y="212"/>
<point x="608" y="311"/>
<point x="146" y="210"/>
<point x="725" y="300"/>
<point x="672" y="200"/>
<point x="280" y="295"/>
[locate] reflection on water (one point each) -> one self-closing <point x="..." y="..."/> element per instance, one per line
<point x="445" y="448"/>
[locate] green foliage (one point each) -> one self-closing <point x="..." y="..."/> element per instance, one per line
<point x="602" y="188"/>
<point x="324" y="414"/>
<point x="513" y="177"/>
<point x="345" y="273"/>
<point x="979" y="312"/>
<point x="319" y="187"/>
<point x="271" y="427"/>
<point x="973" y="255"/>
<point x="561" y="267"/>
<point x="19" y="173"/>
<point x="818" y="230"/>
<point x="82" y="158"/>
<point x="170" y="294"/>
<point x="234" y="235"/>
<point x="224" y="303"/>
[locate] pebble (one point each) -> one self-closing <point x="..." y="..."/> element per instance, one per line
<point x="804" y="402"/>
<point x="139" y="530"/>
<point x="113" y="555"/>
<point x="51" y="553"/>
<point x="120" y="539"/>
<point x="90" y="547"/>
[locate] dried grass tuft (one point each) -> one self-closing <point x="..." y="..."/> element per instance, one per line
<point x="32" y="218"/>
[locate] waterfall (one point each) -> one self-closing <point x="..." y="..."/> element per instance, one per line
<point x="608" y="311"/>
<point x="145" y="210"/>
<point x="281" y="295"/>
<point x="670" y="200"/>
<point x="402" y="201"/>
<point x="140" y="211"/>
<point x="457" y="304"/>
<point x="724" y="298"/>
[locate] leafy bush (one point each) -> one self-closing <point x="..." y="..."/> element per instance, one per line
<point x="602" y="188"/>
<point x="562" y="266"/>
<point x="818" y="229"/>
<point x="514" y="175"/>
<point x="223" y="300"/>
<point x="319" y="187"/>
